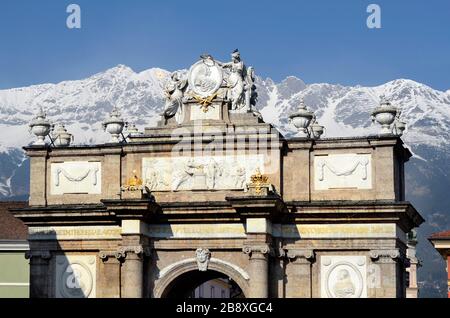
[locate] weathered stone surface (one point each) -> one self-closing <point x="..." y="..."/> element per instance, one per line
<point x="332" y="225"/>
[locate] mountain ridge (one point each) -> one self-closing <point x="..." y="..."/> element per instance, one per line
<point x="344" y="111"/>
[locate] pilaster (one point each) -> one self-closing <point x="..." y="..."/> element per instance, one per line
<point x="298" y="273"/>
<point x="259" y="269"/>
<point x="109" y="278"/>
<point x="39" y="273"/>
<point x="132" y="272"/>
<point x="390" y="283"/>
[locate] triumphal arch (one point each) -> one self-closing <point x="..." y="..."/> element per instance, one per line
<point x="214" y="192"/>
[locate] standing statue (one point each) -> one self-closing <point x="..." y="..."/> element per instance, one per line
<point x="251" y="96"/>
<point x="174" y="91"/>
<point x="213" y="171"/>
<point x="241" y="88"/>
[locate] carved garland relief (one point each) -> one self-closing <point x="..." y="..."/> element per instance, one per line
<point x="341" y="171"/>
<point x="76" y="177"/>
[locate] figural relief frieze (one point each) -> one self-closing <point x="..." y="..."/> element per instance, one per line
<point x="199" y="173"/>
<point x="340" y="171"/>
<point x="76" y="177"/>
<point x="343" y="276"/>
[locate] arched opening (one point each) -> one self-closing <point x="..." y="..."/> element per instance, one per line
<point x="203" y="284"/>
<point x="182" y="278"/>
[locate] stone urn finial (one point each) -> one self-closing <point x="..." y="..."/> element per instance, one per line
<point x="114" y="125"/>
<point x="316" y="128"/>
<point x="399" y="125"/>
<point x="306" y="123"/>
<point x="385" y="115"/>
<point x="40" y="126"/>
<point x="301" y="119"/>
<point x="60" y="136"/>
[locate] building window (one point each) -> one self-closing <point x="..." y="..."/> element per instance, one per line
<point x="223" y="293"/>
<point x="200" y="291"/>
<point x="212" y="292"/>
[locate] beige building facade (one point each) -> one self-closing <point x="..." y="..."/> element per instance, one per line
<point x="220" y="195"/>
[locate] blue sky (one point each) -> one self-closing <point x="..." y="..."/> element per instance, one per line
<point x="318" y="41"/>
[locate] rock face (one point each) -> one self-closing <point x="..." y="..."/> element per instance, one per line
<point x="345" y="111"/>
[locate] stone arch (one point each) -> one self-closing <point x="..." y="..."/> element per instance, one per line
<point x="169" y="274"/>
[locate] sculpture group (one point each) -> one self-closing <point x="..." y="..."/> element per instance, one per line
<point x="207" y="80"/>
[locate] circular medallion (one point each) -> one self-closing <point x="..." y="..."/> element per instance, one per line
<point x="344" y="280"/>
<point x="76" y="281"/>
<point x="205" y="78"/>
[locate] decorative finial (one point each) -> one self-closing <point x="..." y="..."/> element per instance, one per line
<point x="40" y="126"/>
<point x="385" y="114"/>
<point x="134" y="181"/>
<point x="60" y="136"/>
<point x="259" y="184"/>
<point x="114" y="125"/>
<point x="305" y="121"/>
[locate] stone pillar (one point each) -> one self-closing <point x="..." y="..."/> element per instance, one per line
<point x="277" y="274"/>
<point x="39" y="273"/>
<point x="132" y="272"/>
<point x="111" y="180"/>
<point x="384" y="173"/>
<point x="109" y="275"/>
<point x="412" y="290"/>
<point x="390" y="283"/>
<point x="259" y="270"/>
<point x="448" y="275"/>
<point x="38" y="178"/>
<point x="296" y="186"/>
<point x="298" y="273"/>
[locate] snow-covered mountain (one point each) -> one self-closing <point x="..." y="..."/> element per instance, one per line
<point x="344" y="110"/>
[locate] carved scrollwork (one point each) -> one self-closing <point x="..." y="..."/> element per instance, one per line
<point x="138" y="250"/>
<point x="384" y="256"/>
<point x="300" y="254"/>
<point x="118" y="254"/>
<point x="104" y="255"/>
<point x="260" y="249"/>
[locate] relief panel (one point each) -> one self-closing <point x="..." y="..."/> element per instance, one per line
<point x="75" y="177"/>
<point x="200" y="173"/>
<point x="342" y="171"/>
<point x="343" y="276"/>
<point x="75" y="276"/>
